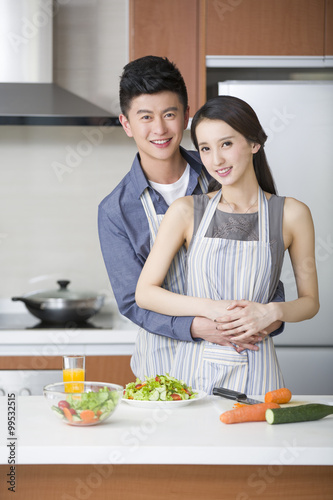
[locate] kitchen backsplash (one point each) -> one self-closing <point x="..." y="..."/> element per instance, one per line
<point x="51" y="182"/>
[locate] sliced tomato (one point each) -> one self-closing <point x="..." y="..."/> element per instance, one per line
<point x="63" y="404"/>
<point x="176" y="397"/>
<point x="139" y="386"/>
<point x="157" y="379"/>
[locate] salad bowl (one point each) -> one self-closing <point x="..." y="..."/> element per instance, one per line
<point x="94" y="404"/>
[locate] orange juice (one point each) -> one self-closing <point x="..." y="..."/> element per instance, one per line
<point x="74" y="376"/>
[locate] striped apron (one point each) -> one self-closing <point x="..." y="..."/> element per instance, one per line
<point x="154" y="354"/>
<point x="229" y="269"/>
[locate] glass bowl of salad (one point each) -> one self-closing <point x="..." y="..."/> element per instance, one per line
<point x="93" y="404"/>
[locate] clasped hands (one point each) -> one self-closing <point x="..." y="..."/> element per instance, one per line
<point x="241" y="325"/>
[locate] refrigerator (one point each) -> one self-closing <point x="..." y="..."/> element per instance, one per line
<point x="297" y="116"/>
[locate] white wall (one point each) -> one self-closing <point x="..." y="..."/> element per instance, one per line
<point x="51" y="182"/>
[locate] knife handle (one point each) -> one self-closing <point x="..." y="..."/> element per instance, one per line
<point x="228" y="393"/>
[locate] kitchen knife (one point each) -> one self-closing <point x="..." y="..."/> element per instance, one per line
<point x="237" y="396"/>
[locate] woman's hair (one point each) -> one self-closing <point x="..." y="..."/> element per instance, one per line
<point x="150" y="75"/>
<point x="241" y="117"/>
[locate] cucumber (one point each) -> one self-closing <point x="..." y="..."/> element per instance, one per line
<point x="302" y="413"/>
<point x="155" y="396"/>
<point x="104" y="415"/>
<point x="58" y="411"/>
<point x="163" y="395"/>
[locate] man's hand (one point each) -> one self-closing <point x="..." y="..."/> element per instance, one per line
<point x="206" y="329"/>
<point x="247" y="319"/>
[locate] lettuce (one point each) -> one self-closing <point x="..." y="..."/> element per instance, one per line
<point x="159" y="388"/>
<point x="103" y="400"/>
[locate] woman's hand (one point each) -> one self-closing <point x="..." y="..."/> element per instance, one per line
<point x="206" y="329"/>
<point x="246" y="319"/>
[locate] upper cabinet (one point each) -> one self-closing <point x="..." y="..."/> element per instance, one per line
<point x="186" y="31"/>
<point x="329" y="28"/>
<point x="172" y="29"/>
<point x="266" y="27"/>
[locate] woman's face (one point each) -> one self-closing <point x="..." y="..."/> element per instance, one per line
<point x="226" y="154"/>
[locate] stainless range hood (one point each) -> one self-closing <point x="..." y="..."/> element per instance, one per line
<point x="28" y="95"/>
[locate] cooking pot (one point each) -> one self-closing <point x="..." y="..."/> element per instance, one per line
<point x="62" y="305"/>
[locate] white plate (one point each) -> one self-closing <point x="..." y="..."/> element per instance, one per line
<point x="164" y="404"/>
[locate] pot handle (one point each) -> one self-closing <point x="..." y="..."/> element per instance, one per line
<point x="19" y="298"/>
<point x="63" y="284"/>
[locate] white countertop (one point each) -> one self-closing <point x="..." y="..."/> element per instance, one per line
<point x="119" y="339"/>
<point x="188" y="435"/>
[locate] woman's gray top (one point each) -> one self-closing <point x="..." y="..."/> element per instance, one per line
<point x="244" y="227"/>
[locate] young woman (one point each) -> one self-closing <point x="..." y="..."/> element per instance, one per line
<point x="235" y="239"/>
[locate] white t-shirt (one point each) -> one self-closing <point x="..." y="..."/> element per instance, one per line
<point x="172" y="192"/>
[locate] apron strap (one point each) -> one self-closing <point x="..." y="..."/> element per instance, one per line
<point x="263" y="216"/>
<point x="208" y="214"/>
<point x="150" y="212"/>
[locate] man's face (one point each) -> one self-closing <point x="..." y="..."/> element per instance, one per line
<point x="156" y="122"/>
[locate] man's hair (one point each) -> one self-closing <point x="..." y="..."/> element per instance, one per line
<point x="150" y="75"/>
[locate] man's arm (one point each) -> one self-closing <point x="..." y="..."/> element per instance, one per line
<point x="124" y="266"/>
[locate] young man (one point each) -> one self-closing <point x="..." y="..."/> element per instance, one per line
<point x="155" y="112"/>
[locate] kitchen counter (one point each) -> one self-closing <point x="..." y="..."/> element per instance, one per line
<point x="183" y="453"/>
<point x="115" y="336"/>
<point x="192" y="434"/>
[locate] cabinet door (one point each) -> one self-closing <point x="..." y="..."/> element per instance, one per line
<point x="329" y="28"/>
<point x="265" y="27"/>
<point x="172" y="29"/>
<point x="110" y="369"/>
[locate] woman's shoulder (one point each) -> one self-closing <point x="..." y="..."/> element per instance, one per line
<point x="289" y="202"/>
<point x="295" y="209"/>
<point x="181" y="206"/>
<point x="294" y="204"/>
<point x="183" y="201"/>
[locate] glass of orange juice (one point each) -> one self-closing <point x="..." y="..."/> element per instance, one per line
<point x="73" y="371"/>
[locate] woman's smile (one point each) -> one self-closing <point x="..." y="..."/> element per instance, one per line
<point x="223" y="172"/>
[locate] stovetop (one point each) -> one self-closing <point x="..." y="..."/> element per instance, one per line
<point x="26" y="321"/>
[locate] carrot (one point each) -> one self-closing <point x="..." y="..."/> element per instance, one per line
<point x="87" y="415"/>
<point x="247" y="413"/>
<point x="238" y="405"/>
<point x="279" y="396"/>
<point x="85" y="422"/>
<point x="67" y="414"/>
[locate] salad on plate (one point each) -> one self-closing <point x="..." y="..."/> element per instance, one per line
<point x="159" y="388"/>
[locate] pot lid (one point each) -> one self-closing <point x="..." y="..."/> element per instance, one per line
<point x="61" y="293"/>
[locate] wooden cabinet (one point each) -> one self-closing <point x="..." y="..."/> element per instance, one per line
<point x="164" y="481"/>
<point x="186" y="31"/>
<point x="176" y="30"/>
<point x="329" y="28"/>
<point x="114" y="369"/>
<point x="266" y="27"/>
